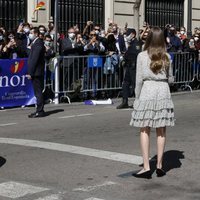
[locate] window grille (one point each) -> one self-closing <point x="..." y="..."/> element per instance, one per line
<point x="72" y="12"/>
<point x="162" y="12"/>
<point x="12" y="12"/>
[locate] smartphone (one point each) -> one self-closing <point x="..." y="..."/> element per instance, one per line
<point x="191" y="43"/>
<point x="21" y="21"/>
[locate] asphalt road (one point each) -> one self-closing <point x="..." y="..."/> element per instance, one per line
<point x="81" y="152"/>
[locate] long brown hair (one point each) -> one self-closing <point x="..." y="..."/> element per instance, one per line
<point x="156" y="48"/>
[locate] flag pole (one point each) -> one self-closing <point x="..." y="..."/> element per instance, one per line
<point x="56" y="25"/>
<point x="56" y="62"/>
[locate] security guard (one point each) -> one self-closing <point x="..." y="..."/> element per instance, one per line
<point x="130" y="57"/>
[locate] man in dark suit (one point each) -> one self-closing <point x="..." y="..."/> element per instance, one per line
<point x="120" y="43"/>
<point x="71" y="46"/>
<point x="36" y="64"/>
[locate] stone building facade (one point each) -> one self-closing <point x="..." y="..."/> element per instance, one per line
<point x="120" y="11"/>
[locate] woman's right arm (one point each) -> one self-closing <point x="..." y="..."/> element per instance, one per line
<point x="139" y="76"/>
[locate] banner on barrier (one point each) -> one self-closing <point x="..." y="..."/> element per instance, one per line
<point x="94" y="61"/>
<point x="15" y="88"/>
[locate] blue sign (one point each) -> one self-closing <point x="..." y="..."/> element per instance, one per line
<point x="15" y="88"/>
<point x="94" y="61"/>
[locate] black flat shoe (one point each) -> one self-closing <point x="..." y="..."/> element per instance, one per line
<point x="146" y="175"/>
<point x="37" y="115"/>
<point x="31" y="114"/>
<point x="160" y="172"/>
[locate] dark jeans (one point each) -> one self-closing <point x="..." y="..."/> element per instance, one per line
<point x="38" y="86"/>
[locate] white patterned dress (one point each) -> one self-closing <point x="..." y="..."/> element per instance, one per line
<point x="153" y="106"/>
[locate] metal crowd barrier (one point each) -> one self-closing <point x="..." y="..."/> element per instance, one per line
<point x="94" y="73"/>
<point x="86" y="74"/>
<point x="184" y="70"/>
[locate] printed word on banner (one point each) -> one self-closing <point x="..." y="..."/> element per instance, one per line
<point x="94" y="61"/>
<point x="15" y="88"/>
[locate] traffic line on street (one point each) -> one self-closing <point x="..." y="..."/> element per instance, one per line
<point x="15" y="190"/>
<point x="94" y="187"/>
<point x="92" y="198"/>
<point x="73" y="116"/>
<point x="114" y="156"/>
<point x="50" y="197"/>
<point x="9" y="124"/>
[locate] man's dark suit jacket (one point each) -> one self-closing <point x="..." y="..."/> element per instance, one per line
<point x="36" y="62"/>
<point x="68" y="50"/>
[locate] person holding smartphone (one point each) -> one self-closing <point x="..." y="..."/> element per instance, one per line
<point x="11" y="49"/>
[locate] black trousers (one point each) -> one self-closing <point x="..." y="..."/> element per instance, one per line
<point x="129" y="80"/>
<point x="38" y="86"/>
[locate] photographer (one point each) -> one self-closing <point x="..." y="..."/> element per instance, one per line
<point x="93" y="46"/>
<point x="173" y="41"/>
<point x="12" y="50"/>
<point x="2" y="44"/>
<point x="23" y="38"/>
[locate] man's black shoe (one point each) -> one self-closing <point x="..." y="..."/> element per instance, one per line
<point x="37" y="115"/>
<point x="123" y="106"/>
<point x="32" y="114"/>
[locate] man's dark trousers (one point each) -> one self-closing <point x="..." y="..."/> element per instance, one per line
<point x="129" y="79"/>
<point x="38" y="86"/>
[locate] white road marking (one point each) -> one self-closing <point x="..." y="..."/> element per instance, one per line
<point x="15" y="190"/>
<point x="51" y="197"/>
<point x="84" y="115"/>
<point x="127" y="109"/>
<point x="91" y="188"/>
<point x="66" y="117"/>
<point x="73" y="116"/>
<point x="120" y="157"/>
<point x="10" y="124"/>
<point x="92" y="198"/>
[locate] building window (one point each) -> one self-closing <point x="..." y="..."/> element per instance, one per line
<point x="162" y="12"/>
<point x="12" y="12"/>
<point x="78" y="12"/>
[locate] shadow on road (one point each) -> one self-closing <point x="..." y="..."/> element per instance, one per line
<point x="47" y="113"/>
<point x="2" y="161"/>
<point x="172" y="160"/>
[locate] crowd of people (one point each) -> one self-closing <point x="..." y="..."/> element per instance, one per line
<point x="115" y="42"/>
<point x="93" y="39"/>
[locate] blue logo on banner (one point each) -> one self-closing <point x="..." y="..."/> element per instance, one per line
<point x="15" y="88"/>
<point x="95" y="62"/>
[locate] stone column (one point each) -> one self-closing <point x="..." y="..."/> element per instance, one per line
<point x="189" y="19"/>
<point x="109" y="11"/>
<point x="137" y="15"/>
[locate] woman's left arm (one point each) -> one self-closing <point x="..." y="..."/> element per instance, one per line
<point x="170" y="72"/>
<point x="139" y="76"/>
